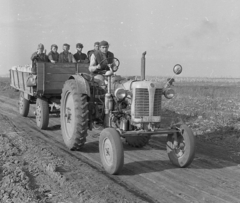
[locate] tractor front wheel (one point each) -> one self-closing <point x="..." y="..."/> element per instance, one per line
<point x="111" y="151"/>
<point x="181" y="147"/>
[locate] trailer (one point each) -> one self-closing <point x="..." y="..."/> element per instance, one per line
<point x="45" y="88"/>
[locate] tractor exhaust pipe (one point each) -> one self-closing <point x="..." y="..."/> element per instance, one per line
<point x="143" y="62"/>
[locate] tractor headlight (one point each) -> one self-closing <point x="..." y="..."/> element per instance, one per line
<point x="120" y="93"/>
<point x="169" y="93"/>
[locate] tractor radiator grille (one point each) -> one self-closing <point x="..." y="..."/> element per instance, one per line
<point x="141" y="102"/>
<point x="157" y="102"/>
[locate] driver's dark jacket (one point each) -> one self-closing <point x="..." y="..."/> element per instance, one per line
<point x="101" y="56"/>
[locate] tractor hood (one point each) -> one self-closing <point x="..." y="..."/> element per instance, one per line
<point x="132" y="84"/>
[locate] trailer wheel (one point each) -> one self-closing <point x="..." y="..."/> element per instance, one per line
<point x="23" y="105"/>
<point x="181" y="147"/>
<point x="111" y="151"/>
<point x="42" y="113"/>
<point x="137" y="141"/>
<point x="74" y="116"/>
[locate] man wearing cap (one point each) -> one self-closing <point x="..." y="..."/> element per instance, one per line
<point x="39" y="56"/>
<point x="79" y="56"/>
<point x="53" y="55"/>
<point x="96" y="47"/>
<point x="99" y="55"/>
<point x="66" y="56"/>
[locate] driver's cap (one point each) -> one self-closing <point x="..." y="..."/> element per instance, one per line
<point x="103" y="43"/>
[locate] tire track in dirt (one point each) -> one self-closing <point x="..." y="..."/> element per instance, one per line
<point x="213" y="176"/>
<point x="91" y="162"/>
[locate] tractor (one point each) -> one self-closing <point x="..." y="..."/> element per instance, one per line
<point x="122" y="110"/>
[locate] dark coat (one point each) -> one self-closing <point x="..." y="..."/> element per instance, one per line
<point x="39" y="57"/>
<point x="80" y="57"/>
<point x="66" y="58"/>
<point x="53" y="56"/>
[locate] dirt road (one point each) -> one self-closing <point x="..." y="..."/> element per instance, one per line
<point x="148" y="175"/>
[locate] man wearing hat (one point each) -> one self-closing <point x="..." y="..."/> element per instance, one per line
<point x="79" y="56"/>
<point x="53" y="55"/>
<point x="66" y="56"/>
<point x="96" y="47"/>
<point x="99" y="55"/>
<point x="39" y="56"/>
<point x="97" y="64"/>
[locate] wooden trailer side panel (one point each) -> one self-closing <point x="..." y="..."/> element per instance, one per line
<point x="18" y="81"/>
<point x="83" y="68"/>
<point x="51" y="77"/>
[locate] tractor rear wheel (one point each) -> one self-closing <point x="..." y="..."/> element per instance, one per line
<point x="23" y="105"/>
<point x="74" y="116"/>
<point x="111" y="151"/>
<point x="181" y="147"/>
<point x="137" y="141"/>
<point x="42" y="113"/>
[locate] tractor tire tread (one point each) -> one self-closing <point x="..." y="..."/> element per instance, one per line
<point x="81" y="115"/>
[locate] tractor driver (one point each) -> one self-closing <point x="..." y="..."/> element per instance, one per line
<point x="99" y="55"/>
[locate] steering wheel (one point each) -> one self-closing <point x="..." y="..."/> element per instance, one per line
<point x="116" y="61"/>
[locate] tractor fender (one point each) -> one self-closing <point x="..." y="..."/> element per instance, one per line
<point x="82" y="84"/>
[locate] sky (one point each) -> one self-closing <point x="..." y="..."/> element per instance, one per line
<point x="201" y="35"/>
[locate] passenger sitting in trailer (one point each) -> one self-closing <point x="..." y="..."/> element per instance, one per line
<point x="79" y="56"/>
<point x="53" y="54"/>
<point x="90" y="52"/>
<point x="39" y="56"/>
<point x="66" y="56"/>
